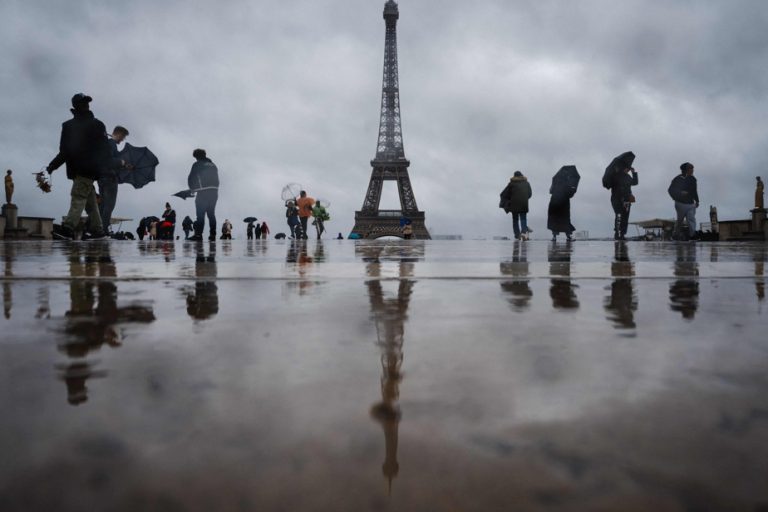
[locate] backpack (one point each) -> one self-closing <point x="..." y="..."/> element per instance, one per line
<point x="676" y="188"/>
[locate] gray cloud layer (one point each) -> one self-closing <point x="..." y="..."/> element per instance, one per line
<point x="289" y="91"/>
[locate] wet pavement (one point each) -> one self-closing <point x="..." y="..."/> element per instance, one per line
<point x="353" y="376"/>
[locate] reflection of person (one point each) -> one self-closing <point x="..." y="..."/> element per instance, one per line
<point x="8" y="186"/>
<point x="622" y="199"/>
<point x="203" y="301"/>
<point x="684" y="191"/>
<point x="518" y="288"/>
<point x="108" y="177"/>
<point x="684" y="291"/>
<point x="304" y="203"/>
<point x="562" y="290"/>
<point x="85" y="150"/>
<point x="203" y="179"/>
<point x="759" y="204"/>
<point x="514" y="200"/>
<point x="622" y="303"/>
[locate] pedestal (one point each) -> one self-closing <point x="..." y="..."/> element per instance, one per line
<point x="11" y="214"/>
<point x="758" y="219"/>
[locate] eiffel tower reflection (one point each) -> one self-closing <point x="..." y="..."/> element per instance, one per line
<point x="389" y="311"/>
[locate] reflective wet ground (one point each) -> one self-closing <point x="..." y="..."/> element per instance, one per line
<point x="343" y="376"/>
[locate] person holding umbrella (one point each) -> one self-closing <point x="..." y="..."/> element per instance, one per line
<point x="203" y="180"/>
<point x="623" y="179"/>
<point x="85" y="150"/>
<point x="564" y="185"/>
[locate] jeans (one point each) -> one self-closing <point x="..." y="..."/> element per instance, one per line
<point x="303" y="221"/>
<point x="519" y="223"/>
<point x="83" y="197"/>
<point x="621" y="219"/>
<point x="205" y="204"/>
<point x="108" y="193"/>
<point x="685" y="211"/>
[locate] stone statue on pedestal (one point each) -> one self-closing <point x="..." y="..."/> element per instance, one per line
<point x="8" y="186"/>
<point x="759" y="204"/>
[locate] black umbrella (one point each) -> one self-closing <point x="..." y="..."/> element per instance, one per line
<point x="565" y="182"/>
<point x="184" y="194"/>
<point x="621" y="162"/>
<point x="142" y="164"/>
<point x="250" y="219"/>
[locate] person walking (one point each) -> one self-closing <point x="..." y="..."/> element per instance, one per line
<point x="108" y="177"/>
<point x="292" y="217"/>
<point x="186" y="225"/>
<point x="514" y="200"/>
<point x="203" y="179"/>
<point x="264" y="230"/>
<point x="622" y="199"/>
<point x="684" y="191"/>
<point x="321" y="215"/>
<point x="84" y="149"/>
<point x="249" y="231"/>
<point x="304" y="203"/>
<point x="257" y="231"/>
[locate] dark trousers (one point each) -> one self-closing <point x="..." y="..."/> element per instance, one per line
<point x="303" y="221"/>
<point x="621" y="219"/>
<point x="205" y="204"/>
<point x="108" y="193"/>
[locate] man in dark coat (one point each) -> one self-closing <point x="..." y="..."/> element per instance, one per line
<point x="108" y="176"/>
<point x="204" y="181"/>
<point x="684" y="191"/>
<point x="622" y="199"/>
<point x="85" y="150"/>
<point x="514" y="200"/>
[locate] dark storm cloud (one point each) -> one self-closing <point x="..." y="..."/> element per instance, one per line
<point x="289" y="91"/>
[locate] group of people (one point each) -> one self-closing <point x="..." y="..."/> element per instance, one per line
<point x="620" y="177"/>
<point x="258" y="231"/>
<point x="299" y="210"/>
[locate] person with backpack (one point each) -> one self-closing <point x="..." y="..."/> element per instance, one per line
<point x="684" y="191"/>
<point x="85" y="150"/>
<point x="292" y="217"/>
<point x="621" y="199"/>
<point x="514" y="200"/>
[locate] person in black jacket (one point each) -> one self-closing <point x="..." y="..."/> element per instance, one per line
<point x="622" y="199"/>
<point x="108" y="176"/>
<point x="684" y="191"/>
<point x="514" y="200"/>
<point x="204" y="181"/>
<point x="85" y="150"/>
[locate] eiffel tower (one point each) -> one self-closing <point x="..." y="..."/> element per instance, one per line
<point x="390" y="163"/>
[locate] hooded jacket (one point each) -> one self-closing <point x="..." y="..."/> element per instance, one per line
<point x="514" y="197"/>
<point x="83" y="146"/>
<point x="204" y="175"/>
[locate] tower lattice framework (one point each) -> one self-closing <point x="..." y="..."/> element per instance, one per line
<point x="390" y="163"/>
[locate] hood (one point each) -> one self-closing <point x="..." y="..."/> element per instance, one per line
<point x="518" y="178"/>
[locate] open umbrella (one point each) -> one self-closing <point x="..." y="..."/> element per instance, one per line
<point x="621" y="162"/>
<point x="184" y="194"/>
<point x="565" y="183"/>
<point x="142" y="164"/>
<point x="250" y="219"/>
<point x="291" y="191"/>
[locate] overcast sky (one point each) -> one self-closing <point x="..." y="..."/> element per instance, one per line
<point x="289" y="91"/>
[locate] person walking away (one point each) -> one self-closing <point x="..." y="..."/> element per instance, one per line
<point x="292" y="216"/>
<point x="622" y="199"/>
<point x="264" y="230"/>
<point x="84" y="149"/>
<point x="514" y="200"/>
<point x="108" y="177"/>
<point x="186" y="225"/>
<point x="9" y="187"/>
<point x="684" y="191"/>
<point x="204" y="181"/>
<point x="249" y="231"/>
<point x="304" y="203"/>
<point x="321" y="215"/>
<point x="257" y="231"/>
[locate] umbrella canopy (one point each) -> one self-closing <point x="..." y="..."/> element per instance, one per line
<point x="621" y="162"/>
<point x="250" y="219"/>
<point x="291" y="191"/>
<point x="184" y="194"/>
<point x="142" y="162"/>
<point x="565" y="182"/>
